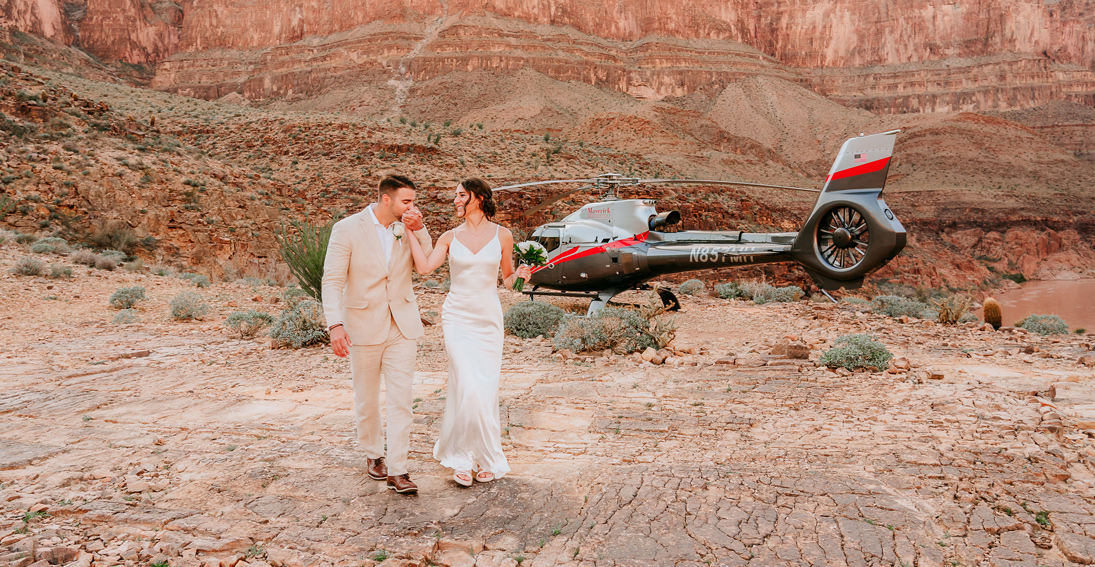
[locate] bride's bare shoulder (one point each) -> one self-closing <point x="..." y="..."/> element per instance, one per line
<point x="445" y="238"/>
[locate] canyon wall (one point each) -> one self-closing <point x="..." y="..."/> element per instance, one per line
<point x="889" y="56"/>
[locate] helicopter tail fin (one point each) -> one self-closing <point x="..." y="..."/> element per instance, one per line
<point x="851" y="231"/>
<point x="862" y="164"/>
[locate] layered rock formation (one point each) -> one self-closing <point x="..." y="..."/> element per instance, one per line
<point x="886" y="56"/>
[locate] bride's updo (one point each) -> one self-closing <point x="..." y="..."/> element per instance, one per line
<point x="483" y="192"/>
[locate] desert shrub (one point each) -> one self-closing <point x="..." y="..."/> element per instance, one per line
<point x="294" y="295"/>
<point x="692" y="287"/>
<point x="105" y="262"/>
<point x="621" y="330"/>
<point x="529" y="319"/>
<point x="126" y="297"/>
<point x="731" y="290"/>
<point x="1044" y="324"/>
<point x="51" y="245"/>
<point x="114" y="235"/>
<point x="188" y="305"/>
<point x="897" y="306"/>
<point x="198" y="280"/>
<point x="855" y="301"/>
<point x="83" y="257"/>
<point x="953" y="309"/>
<point x="765" y="293"/>
<point x="25" y="239"/>
<point x="300" y="325"/>
<point x="126" y="316"/>
<point x="305" y="250"/>
<point x="248" y="323"/>
<point x="134" y="266"/>
<point x="257" y="282"/>
<point x="857" y="351"/>
<point x="116" y="255"/>
<point x="60" y="272"/>
<point x="28" y="266"/>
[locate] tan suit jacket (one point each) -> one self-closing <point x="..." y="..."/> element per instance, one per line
<point x="363" y="292"/>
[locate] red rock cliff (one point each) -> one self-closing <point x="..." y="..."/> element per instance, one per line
<point x="888" y="56"/>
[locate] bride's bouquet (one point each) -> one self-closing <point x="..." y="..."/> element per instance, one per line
<point x="531" y="254"/>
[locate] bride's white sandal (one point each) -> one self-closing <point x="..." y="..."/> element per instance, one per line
<point x="463" y="478"/>
<point x="484" y="476"/>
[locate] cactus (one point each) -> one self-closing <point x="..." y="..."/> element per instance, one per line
<point x="992" y="313"/>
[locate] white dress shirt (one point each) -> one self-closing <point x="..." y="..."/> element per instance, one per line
<point x="385" y="234"/>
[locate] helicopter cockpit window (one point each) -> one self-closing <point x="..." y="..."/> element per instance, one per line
<point x="548" y="238"/>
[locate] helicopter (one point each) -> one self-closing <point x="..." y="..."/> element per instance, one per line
<point x="615" y="245"/>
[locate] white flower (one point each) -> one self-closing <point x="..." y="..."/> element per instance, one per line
<point x="529" y="245"/>
<point x="398" y="230"/>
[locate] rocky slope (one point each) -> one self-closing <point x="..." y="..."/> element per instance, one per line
<point x="212" y="183"/>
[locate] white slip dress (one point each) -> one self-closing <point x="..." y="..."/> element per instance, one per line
<point x="471" y="320"/>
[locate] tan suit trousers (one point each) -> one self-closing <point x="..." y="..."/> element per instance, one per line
<point x="394" y="359"/>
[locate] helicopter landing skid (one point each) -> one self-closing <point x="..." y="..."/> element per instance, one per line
<point x="598" y="300"/>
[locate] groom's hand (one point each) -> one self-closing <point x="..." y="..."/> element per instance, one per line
<point x="412" y="219"/>
<point x="340" y="343"/>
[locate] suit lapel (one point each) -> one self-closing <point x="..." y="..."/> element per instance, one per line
<point x="368" y="230"/>
<point x="397" y="250"/>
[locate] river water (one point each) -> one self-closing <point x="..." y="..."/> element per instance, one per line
<point x="1072" y="300"/>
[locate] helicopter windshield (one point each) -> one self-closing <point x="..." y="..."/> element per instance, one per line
<point x="547" y="237"/>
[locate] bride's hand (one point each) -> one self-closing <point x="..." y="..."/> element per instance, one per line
<point x="524" y="272"/>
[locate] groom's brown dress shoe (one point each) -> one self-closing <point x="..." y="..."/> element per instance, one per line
<point x="376" y="468"/>
<point x="402" y="484"/>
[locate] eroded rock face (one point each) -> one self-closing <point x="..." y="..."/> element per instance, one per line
<point x="886" y="57"/>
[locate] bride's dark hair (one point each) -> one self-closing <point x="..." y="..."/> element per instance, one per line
<point x="483" y="192"/>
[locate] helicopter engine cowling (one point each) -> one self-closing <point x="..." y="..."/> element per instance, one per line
<point x="851" y="232"/>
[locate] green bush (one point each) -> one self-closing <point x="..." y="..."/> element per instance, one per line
<point x="127" y="297"/>
<point x="51" y="245"/>
<point x="857" y="351"/>
<point x="300" y="325"/>
<point x="621" y="330"/>
<point x="126" y="316"/>
<point x="765" y="293"/>
<point x="187" y="306"/>
<point x="1044" y="324"/>
<point x="529" y="319"/>
<point x="198" y="280"/>
<point x="28" y="266"/>
<point x="305" y="251"/>
<point x="60" y="272"/>
<point x="732" y="290"/>
<point x="248" y="323"/>
<point x="897" y="306"/>
<point x="692" y="287"/>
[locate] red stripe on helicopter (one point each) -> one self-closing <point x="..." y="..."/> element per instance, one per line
<point x="869" y="167"/>
<point x="574" y="254"/>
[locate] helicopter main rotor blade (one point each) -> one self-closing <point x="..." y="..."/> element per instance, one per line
<point x="554" y="199"/>
<point x="718" y="182"/>
<point x="513" y="188"/>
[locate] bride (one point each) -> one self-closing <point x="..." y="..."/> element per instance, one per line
<point x="471" y="320"/>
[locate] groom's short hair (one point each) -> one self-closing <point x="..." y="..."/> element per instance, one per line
<point x="392" y="183"/>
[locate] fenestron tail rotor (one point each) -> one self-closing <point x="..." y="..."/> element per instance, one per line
<point x="843" y="237"/>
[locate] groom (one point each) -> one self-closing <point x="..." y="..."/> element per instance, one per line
<point x="373" y="317"/>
